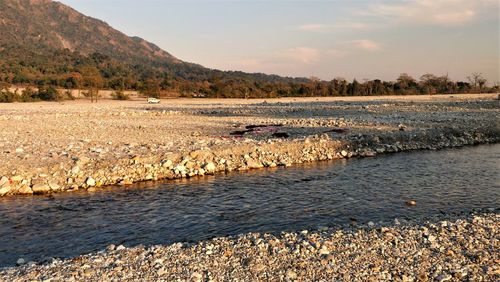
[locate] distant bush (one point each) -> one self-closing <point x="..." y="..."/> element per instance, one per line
<point x="29" y="95"/>
<point x="7" y="96"/>
<point x="120" y="95"/>
<point x="48" y="94"/>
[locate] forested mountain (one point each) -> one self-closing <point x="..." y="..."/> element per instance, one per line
<point x="46" y="43"/>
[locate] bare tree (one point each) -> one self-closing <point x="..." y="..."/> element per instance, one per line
<point x="478" y="81"/>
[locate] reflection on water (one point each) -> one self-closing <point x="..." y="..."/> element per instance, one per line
<point x="322" y="194"/>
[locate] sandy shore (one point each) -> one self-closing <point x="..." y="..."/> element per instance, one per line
<point x="54" y="147"/>
<point x="460" y="250"/>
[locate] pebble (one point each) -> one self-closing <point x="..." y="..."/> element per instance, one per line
<point x="20" y="261"/>
<point x="90" y="182"/>
<point x="40" y="188"/>
<point x="348" y="254"/>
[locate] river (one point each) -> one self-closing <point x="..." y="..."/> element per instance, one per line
<point x="443" y="183"/>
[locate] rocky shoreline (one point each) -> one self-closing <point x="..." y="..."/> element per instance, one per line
<point x="464" y="249"/>
<point x="54" y="148"/>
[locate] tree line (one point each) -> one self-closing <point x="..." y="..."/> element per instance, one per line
<point x="46" y="70"/>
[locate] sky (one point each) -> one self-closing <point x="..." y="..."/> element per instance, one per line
<point x="362" y="39"/>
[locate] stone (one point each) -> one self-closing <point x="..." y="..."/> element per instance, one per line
<point x="290" y="274"/>
<point x="444" y="277"/>
<point x="120" y="248"/>
<point x="4" y="190"/>
<point x="54" y="186"/>
<point x="411" y="203"/>
<point x="17" y="178"/>
<point x="197" y="277"/>
<point x="344" y="153"/>
<point x="4" y="180"/>
<point x="75" y="170"/>
<point x="20" y="261"/>
<point x="253" y="164"/>
<point x="40" y="188"/>
<point x="90" y="181"/>
<point x="209" y="167"/>
<point x="25" y="190"/>
<point x="167" y="164"/>
<point x="180" y="169"/>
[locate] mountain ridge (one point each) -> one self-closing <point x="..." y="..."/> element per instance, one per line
<point x="53" y="24"/>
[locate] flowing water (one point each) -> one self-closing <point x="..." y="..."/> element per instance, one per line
<point x="448" y="182"/>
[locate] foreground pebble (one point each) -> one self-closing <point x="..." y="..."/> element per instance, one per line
<point x="462" y="250"/>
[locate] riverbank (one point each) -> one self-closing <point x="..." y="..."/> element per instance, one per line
<point x="55" y="147"/>
<point x="460" y="250"/>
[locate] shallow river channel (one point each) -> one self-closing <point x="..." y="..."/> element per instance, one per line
<point x="443" y="183"/>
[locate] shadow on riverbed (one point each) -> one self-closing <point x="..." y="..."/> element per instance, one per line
<point x="339" y="193"/>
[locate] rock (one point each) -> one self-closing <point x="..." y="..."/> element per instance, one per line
<point x="290" y="274"/>
<point x="324" y="251"/>
<point x="4" y="180"/>
<point x="40" y="188"/>
<point x="411" y="203"/>
<point x="111" y="247"/>
<point x="444" y="277"/>
<point x="167" y="164"/>
<point x="120" y="248"/>
<point x="25" y="190"/>
<point x="75" y="170"/>
<point x="20" y="261"/>
<point x="17" y="178"/>
<point x="54" y="186"/>
<point x="180" y="169"/>
<point x="253" y="164"/>
<point x="197" y="277"/>
<point x="90" y="182"/>
<point x="4" y="190"/>
<point x="209" y="167"/>
<point x="125" y="182"/>
<point x="344" y="153"/>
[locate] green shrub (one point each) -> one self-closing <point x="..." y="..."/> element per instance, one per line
<point x="7" y="96"/>
<point x="48" y="93"/>
<point x="120" y="95"/>
<point x="29" y="95"/>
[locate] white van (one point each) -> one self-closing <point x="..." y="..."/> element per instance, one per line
<point x="152" y="100"/>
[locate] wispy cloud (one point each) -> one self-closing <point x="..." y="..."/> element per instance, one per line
<point x="434" y="12"/>
<point x="337" y="53"/>
<point x="365" y="44"/>
<point x="322" y="28"/>
<point x="305" y="55"/>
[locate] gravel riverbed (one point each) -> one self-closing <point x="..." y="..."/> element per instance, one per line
<point x="55" y="147"/>
<point x="464" y="249"/>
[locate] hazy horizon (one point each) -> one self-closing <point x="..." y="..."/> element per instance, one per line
<point x="350" y="39"/>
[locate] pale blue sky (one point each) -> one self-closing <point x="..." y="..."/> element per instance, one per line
<point x="352" y="39"/>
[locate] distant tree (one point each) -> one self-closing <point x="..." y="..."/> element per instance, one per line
<point x="74" y="81"/>
<point x="478" y="81"/>
<point x="151" y="87"/>
<point x="92" y="81"/>
<point x="430" y="83"/>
